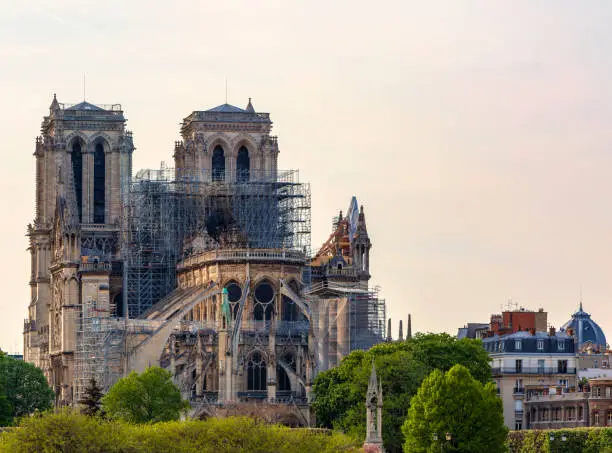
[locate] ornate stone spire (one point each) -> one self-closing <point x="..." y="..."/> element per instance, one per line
<point x="401" y="331"/>
<point x="54" y="104"/>
<point x="249" y="107"/>
<point x="373" y="442"/>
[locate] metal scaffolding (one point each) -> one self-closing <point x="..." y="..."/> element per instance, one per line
<point x="367" y="320"/>
<point x="169" y="217"/>
<point x="99" y="351"/>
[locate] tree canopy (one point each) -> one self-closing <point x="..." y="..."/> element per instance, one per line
<point x="23" y="389"/>
<point x="402" y="366"/>
<point x="147" y="397"/>
<point x="455" y="403"/>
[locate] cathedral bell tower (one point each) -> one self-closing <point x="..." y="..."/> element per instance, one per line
<point x="83" y="168"/>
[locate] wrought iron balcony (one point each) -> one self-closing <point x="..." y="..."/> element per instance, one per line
<point x="532" y="370"/>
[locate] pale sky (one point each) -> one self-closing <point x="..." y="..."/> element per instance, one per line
<point x="476" y="133"/>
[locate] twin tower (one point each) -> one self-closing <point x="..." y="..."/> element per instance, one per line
<point x="83" y="178"/>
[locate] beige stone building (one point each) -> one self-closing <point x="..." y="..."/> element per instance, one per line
<point x="204" y="268"/>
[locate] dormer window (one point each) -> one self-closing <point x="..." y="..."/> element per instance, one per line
<point x="561" y="345"/>
<point x="540" y="345"/>
<point x="518" y="345"/>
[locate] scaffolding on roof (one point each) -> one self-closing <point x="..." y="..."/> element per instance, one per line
<point x="169" y="216"/>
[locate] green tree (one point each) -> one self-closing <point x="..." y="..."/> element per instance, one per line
<point x="456" y="403"/>
<point x="24" y="389"/>
<point x="402" y="366"/>
<point x="147" y="397"/>
<point x="92" y="398"/>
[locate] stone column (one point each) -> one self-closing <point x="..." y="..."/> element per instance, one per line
<point x="88" y="181"/>
<point x="115" y="201"/>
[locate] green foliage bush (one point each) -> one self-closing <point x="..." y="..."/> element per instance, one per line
<point x="150" y="396"/>
<point x="579" y="440"/>
<point x="71" y="432"/>
<point x="454" y="402"/>
<point x="401" y="366"/>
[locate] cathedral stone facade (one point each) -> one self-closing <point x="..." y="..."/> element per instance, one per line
<point x="246" y="315"/>
<point x="83" y="165"/>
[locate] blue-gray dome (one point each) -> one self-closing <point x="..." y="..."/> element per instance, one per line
<point x="585" y="330"/>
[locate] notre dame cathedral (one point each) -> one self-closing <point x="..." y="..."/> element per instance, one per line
<point x="204" y="268"/>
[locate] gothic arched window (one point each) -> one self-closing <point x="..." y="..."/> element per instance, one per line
<point x="77" y="175"/>
<point x="218" y="164"/>
<point x="283" y="382"/>
<point x="234" y="293"/>
<point x="290" y="310"/>
<point x="243" y="165"/>
<point x="264" y="302"/>
<point x="256" y="372"/>
<point x="99" y="185"/>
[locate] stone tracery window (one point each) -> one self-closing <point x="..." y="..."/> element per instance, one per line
<point x="264" y="302"/>
<point x="256" y="372"/>
<point x="234" y="293"/>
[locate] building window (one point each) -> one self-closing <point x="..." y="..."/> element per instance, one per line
<point x="609" y="418"/>
<point x="501" y="346"/>
<point x="518" y="366"/>
<point x="518" y="345"/>
<point x="243" y="165"/>
<point x="596" y="418"/>
<point x="596" y="391"/>
<point x="561" y="345"/>
<point x="264" y="302"/>
<point x="256" y="372"/>
<point x="540" y="345"/>
<point x="77" y="177"/>
<point x="99" y="184"/>
<point x="580" y="413"/>
<point x="218" y="164"/>
<point x="540" y="366"/>
<point x="562" y="366"/>
<point x="518" y="386"/>
<point x="518" y="425"/>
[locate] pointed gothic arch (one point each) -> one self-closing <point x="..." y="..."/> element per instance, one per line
<point x="243" y="165"/>
<point x="256" y="372"/>
<point x="99" y="182"/>
<point x="218" y="164"/>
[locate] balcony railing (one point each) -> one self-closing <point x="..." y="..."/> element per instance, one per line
<point x="243" y="255"/>
<point x="252" y="395"/>
<point x="566" y="396"/>
<point x="95" y="267"/>
<point x="532" y="370"/>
